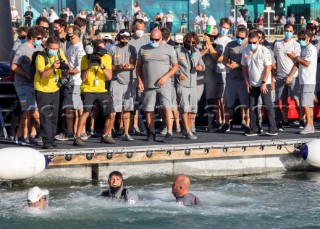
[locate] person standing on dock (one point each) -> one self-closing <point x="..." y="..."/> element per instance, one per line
<point x="157" y="62"/>
<point x="190" y="62"/>
<point x="256" y="64"/>
<point x="180" y="190"/>
<point x="306" y="64"/>
<point x="118" y="191"/>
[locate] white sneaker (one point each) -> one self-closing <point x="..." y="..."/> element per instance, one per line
<point x="308" y="130"/>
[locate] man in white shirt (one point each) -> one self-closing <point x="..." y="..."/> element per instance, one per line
<point x="307" y="65"/>
<point x="284" y="66"/>
<point x="52" y="17"/>
<point x="169" y="21"/>
<point x="197" y="23"/>
<point x="14" y="17"/>
<point x="72" y="103"/>
<point x="256" y="68"/>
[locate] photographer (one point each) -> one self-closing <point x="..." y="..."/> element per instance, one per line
<point x="96" y="67"/>
<point x="72" y="103"/>
<point x="46" y="81"/>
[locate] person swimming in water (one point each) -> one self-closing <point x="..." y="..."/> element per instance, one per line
<point x="180" y="190"/>
<point x="37" y="198"/>
<point x="118" y="191"/>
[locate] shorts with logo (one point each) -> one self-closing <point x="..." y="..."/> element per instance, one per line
<point x="150" y="98"/>
<point x="187" y="97"/>
<point x="90" y="99"/>
<point x="307" y="94"/>
<point x="236" y="89"/>
<point x="283" y="91"/>
<point x="27" y="98"/>
<point x="122" y="95"/>
<point x="72" y="98"/>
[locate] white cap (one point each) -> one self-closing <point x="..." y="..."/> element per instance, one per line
<point x="212" y="21"/>
<point x="169" y="12"/>
<point x="243" y="23"/>
<point x="178" y="38"/>
<point x="35" y="193"/>
<point x="105" y="36"/>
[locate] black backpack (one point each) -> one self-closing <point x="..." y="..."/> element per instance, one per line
<point x="33" y="61"/>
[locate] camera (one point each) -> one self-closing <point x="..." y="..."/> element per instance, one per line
<point x="65" y="77"/>
<point x="93" y="52"/>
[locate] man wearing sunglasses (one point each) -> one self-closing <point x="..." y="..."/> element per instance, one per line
<point x="124" y="59"/>
<point x="23" y="83"/>
<point x="235" y="84"/>
<point x="306" y="64"/>
<point x="282" y="50"/>
<point x="256" y="64"/>
<point x="157" y="62"/>
<point x="190" y="62"/>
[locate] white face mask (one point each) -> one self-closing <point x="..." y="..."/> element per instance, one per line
<point x="139" y="33"/>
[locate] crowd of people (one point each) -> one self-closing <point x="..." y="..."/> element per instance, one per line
<point x="38" y="198"/>
<point x="66" y="79"/>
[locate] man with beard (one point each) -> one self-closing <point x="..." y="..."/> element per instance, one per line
<point x="180" y="190"/>
<point x="118" y="191"/>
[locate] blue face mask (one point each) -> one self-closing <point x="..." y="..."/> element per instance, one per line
<point x="224" y="31"/>
<point x="52" y="52"/>
<point x="253" y="47"/>
<point x="240" y="41"/>
<point x="287" y="35"/>
<point x="303" y="43"/>
<point x="23" y="41"/>
<point x="37" y="43"/>
<point x="154" y="44"/>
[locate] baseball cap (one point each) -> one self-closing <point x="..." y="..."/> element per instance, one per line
<point x="106" y="36"/>
<point x="169" y="12"/>
<point x="178" y="38"/>
<point x="34" y="194"/>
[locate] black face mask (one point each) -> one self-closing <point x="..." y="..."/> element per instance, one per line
<point x="56" y="33"/>
<point x="69" y="38"/>
<point x="123" y="43"/>
<point x="188" y="46"/>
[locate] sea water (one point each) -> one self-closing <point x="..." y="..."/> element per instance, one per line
<point x="277" y="200"/>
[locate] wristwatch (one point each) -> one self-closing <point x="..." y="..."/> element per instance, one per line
<point x="263" y="82"/>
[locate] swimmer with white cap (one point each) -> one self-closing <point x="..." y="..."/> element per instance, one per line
<point x="37" y="198"/>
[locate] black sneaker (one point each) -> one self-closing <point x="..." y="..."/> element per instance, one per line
<point x="168" y="138"/>
<point x="301" y="124"/>
<point x="47" y="145"/>
<point x="286" y="124"/>
<point x="223" y="129"/>
<point x="280" y="126"/>
<point x="271" y="133"/>
<point x="248" y="132"/>
<point x="54" y="144"/>
<point x="151" y="137"/>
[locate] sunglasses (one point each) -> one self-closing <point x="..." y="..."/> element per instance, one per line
<point x="301" y="39"/>
<point x="191" y="42"/>
<point x="242" y="38"/>
<point x="22" y="37"/>
<point x="252" y="42"/>
<point x="45" y="28"/>
<point x="39" y="38"/>
<point x="154" y="39"/>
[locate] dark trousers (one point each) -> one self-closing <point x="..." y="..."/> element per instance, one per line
<point x="169" y="26"/>
<point x="268" y="106"/>
<point x="48" y="105"/>
<point x="28" y="23"/>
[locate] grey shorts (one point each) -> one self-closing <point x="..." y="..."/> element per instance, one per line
<point x="221" y="85"/>
<point x="187" y="98"/>
<point x="174" y="97"/>
<point x="307" y="94"/>
<point x="72" y="98"/>
<point x="27" y="98"/>
<point x="236" y="89"/>
<point x="150" y="98"/>
<point x="283" y="91"/>
<point x="122" y="95"/>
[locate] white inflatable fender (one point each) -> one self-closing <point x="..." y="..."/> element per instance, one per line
<point x="18" y="163"/>
<point x="310" y="152"/>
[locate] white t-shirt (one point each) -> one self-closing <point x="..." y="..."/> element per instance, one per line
<point x="169" y="18"/>
<point x="53" y="16"/>
<point x="307" y="75"/>
<point x="223" y="41"/>
<point x="284" y="63"/>
<point x="256" y="63"/>
<point x="14" y="14"/>
<point x="198" y="19"/>
<point x="74" y="56"/>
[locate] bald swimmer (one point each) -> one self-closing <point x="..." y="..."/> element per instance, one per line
<point x="180" y="190"/>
